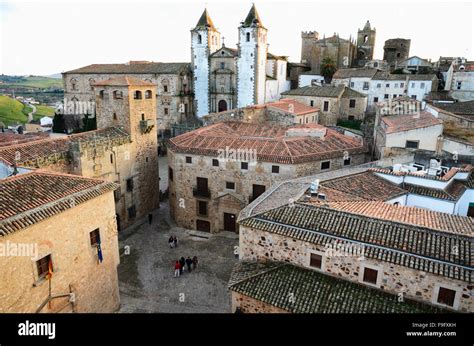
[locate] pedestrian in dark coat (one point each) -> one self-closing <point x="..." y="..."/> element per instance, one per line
<point x="170" y="242"/>
<point x="175" y="241"/>
<point x="182" y="261"/>
<point x="189" y="261"/>
<point x="150" y="218"/>
<point x="195" y="262"/>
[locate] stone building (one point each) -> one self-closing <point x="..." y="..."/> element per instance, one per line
<point x="226" y="78"/>
<point x="335" y="102"/>
<point x="365" y="45"/>
<point x="173" y="88"/>
<point x="302" y="231"/>
<point x="217" y="170"/>
<point x="64" y="219"/>
<point x="395" y="50"/>
<point x="123" y="150"/>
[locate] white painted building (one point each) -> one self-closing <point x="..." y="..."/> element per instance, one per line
<point x="460" y="80"/>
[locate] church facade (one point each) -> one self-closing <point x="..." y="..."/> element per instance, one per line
<point x="227" y="78"/>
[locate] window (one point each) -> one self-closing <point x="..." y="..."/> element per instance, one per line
<point x="43" y="266"/>
<point x="366" y="86"/>
<point x="148" y="94"/>
<point x="189" y="159"/>
<point x="446" y="296"/>
<point x="114" y="116"/>
<point x="315" y="261"/>
<point x="396" y="85"/>
<point x="394" y="95"/>
<point x="379" y="85"/>
<point x="352" y="84"/>
<point x="352" y="103"/>
<point x="326" y="106"/>
<point x="137" y="95"/>
<point x="458" y="85"/>
<point x="351" y="118"/>
<point x="422" y="85"/>
<point x="166" y="111"/>
<point x="199" y="39"/>
<point x="307" y="120"/>
<point x="376" y="64"/>
<point x="276" y="169"/>
<point x="402" y="85"/>
<point x="130" y="184"/>
<point x="170" y="173"/>
<point x="215" y="162"/>
<point x="111" y="158"/>
<point x="311" y="103"/>
<point x="376" y="99"/>
<point x="94" y="237"/>
<point x="385" y="96"/>
<point x="73" y="84"/>
<point x="222" y="65"/>
<point x="370" y="276"/>
<point x="247" y="37"/>
<point x="118" y="94"/>
<point x="202" y="207"/>
<point x="412" y="144"/>
<point x="102" y="94"/>
<point x="387" y="85"/>
<point x="165" y="88"/>
<point x="326" y="165"/>
<point x="413" y="97"/>
<point x="347" y="161"/>
<point x="230" y="185"/>
<point x="244" y="165"/>
<point x="412" y="85"/>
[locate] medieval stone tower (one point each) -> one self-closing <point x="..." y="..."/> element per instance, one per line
<point x="205" y="40"/>
<point x="129" y="105"/>
<point x="251" y="60"/>
<point x="365" y="45"/>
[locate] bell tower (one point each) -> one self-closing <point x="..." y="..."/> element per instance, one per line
<point x="365" y="45"/>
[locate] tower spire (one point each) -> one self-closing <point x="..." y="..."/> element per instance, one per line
<point x="252" y="18"/>
<point x="205" y="21"/>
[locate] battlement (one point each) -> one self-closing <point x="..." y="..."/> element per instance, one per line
<point x="310" y="34"/>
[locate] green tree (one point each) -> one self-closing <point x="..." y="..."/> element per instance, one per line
<point x="328" y="68"/>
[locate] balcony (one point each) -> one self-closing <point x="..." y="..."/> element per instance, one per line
<point x="147" y="125"/>
<point x="205" y="193"/>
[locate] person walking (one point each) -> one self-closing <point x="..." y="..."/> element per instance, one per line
<point x="189" y="261"/>
<point x="195" y="262"/>
<point x="177" y="269"/>
<point x="182" y="262"/>
<point x="150" y="218"/>
<point x="175" y="241"/>
<point x="171" y="242"/>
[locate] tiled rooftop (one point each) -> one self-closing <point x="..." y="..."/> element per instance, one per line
<point x="7" y="139"/>
<point x="124" y="81"/>
<point x="343" y="73"/>
<point x="32" y="154"/>
<point x="135" y="68"/>
<point x="406" y="122"/>
<point x="30" y="198"/>
<point x="268" y="140"/>
<point x="408" y="236"/>
<point x="315" y="292"/>
<point x="292" y="106"/>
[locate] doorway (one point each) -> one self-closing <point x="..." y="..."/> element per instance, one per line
<point x="203" y="226"/>
<point x="229" y="222"/>
<point x="222" y="106"/>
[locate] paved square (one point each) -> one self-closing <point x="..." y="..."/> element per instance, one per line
<point x="146" y="275"/>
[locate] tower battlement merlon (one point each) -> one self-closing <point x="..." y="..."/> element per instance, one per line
<point x="310" y="34"/>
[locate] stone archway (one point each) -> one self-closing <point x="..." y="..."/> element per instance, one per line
<point x="222" y="106"/>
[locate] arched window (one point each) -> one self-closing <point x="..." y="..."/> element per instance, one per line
<point x="73" y="84"/>
<point x="165" y="83"/>
<point x="148" y="94"/>
<point x="118" y="94"/>
<point x="91" y="83"/>
<point x="102" y="94"/>
<point x="247" y="37"/>
<point x="137" y="95"/>
<point x="199" y="39"/>
<point x="366" y="38"/>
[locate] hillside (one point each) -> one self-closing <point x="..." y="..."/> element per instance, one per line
<point x="32" y="82"/>
<point x="12" y="111"/>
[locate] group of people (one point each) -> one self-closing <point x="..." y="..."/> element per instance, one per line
<point x="188" y="262"/>
<point x="173" y="241"/>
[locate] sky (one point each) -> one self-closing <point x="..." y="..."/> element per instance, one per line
<point x="45" y="37"/>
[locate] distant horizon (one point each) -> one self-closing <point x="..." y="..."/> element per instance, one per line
<point x="66" y="37"/>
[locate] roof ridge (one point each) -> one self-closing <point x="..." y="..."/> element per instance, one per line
<point x="276" y="266"/>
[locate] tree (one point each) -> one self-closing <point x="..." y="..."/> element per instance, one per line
<point x="328" y="68"/>
<point x="58" y="123"/>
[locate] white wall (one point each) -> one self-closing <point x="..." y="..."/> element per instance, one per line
<point x="427" y="137"/>
<point x="419" y="88"/>
<point x="463" y="202"/>
<point x="461" y="148"/>
<point x="434" y="204"/>
<point x="305" y="79"/>
<point x="200" y="62"/>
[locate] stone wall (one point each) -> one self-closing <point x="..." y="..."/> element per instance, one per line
<point x="259" y="245"/>
<point x="76" y="268"/>
<point x="326" y="118"/>
<point x="250" y="305"/>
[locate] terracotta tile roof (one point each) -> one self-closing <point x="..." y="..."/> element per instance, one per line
<point x="124" y="81"/>
<point x="36" y="153"/>
<point x="365" y="185"/>
<point x="315" y="292"/>
<point x="343" y="73"/>
<point x="269" y="141"/>
<point x="7" y="139"/>
<point x="451" y="193"/>
<point x="27" y="199"/>
<point x="292" y="106"/>
<point x="450" y="174"/>
<point x="375" y="225"/>
<point x="407" y="122"/>
<point x="138" y="68"/>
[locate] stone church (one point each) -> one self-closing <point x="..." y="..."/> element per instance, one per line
<point x="227" y="78"/>
<point x="344" y="52"/>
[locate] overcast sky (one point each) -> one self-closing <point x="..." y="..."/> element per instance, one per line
<point x="44" y="37"/>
